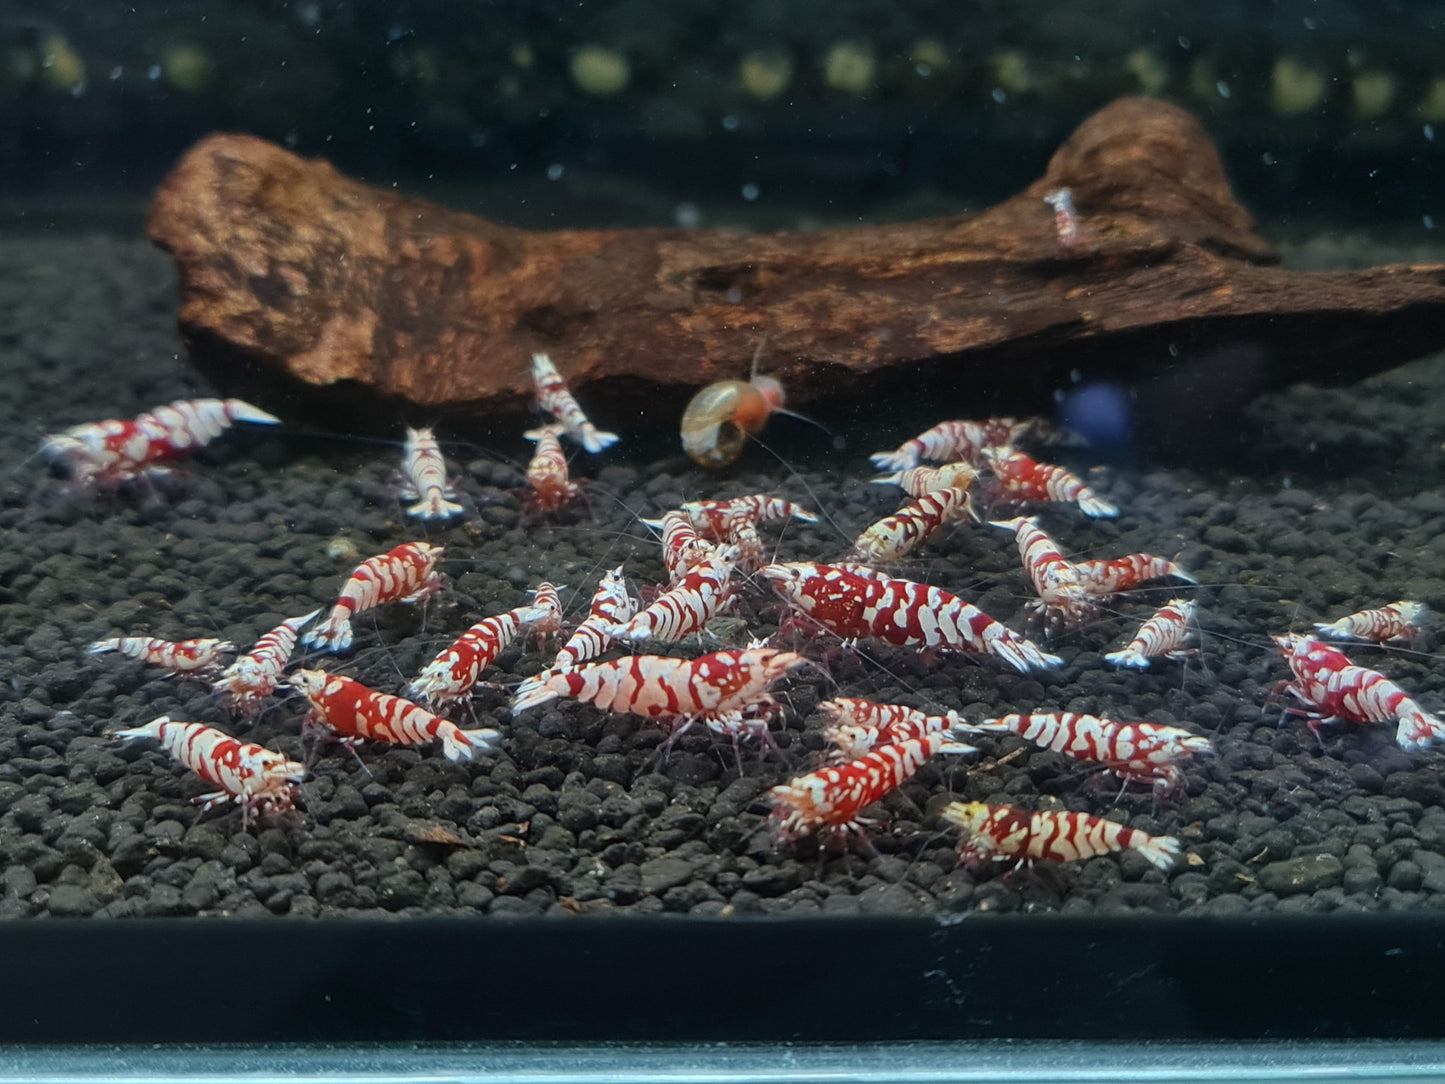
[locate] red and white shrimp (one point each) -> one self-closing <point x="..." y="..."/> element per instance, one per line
<point x="683" y="549"/>
<point x="855" y="726"/>
<point x="552" y="486"/>
<point x="1066" y="218"/>
<point x="657" y="686"/>
<point x="1056" y="580"/>
<point x="833" y="797"/>
<point x="719" y="520"/>
<point x="354" y="713"/>
<point x="854" y="602"/>
<point x="547" y="602"/>
<point x="406" y="573"/>
<point x="1166" y="635"/>
<point x="687" y="606"/>
<point x="611" y="606"/>
<point x="451" y="675"/>
<point x="1022" y="478"/>
<point x="179" y="657"/>
<point x="1398" y="621"/>
<point x="426" y="478"/>
<point x="553" y="398"/>
<point x="113" y="451"/>
<point x="894" y="537"/>
<point x="1004" y="832"/>
<point x="1135" y="752"/>
<point x="254" y="676"/>
<point x="921" y="481"/>
<point x="252" y="776"/>
<point x="734" y="521"/>
<point x="952" y="440"/>
<point x="1326" y="681"/>
<point x="1107" y="577"/>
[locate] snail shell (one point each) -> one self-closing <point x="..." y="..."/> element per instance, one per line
<point x="720" y="418"/>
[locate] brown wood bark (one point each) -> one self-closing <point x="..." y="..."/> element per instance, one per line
<point x="288" y="267"/>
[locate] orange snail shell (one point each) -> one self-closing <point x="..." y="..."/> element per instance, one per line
<point x="720" y="418"/>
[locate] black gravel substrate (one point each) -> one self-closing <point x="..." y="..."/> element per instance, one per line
<point x="1338" y="505"/>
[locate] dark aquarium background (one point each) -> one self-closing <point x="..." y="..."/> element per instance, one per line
<point x="765" y="113"/>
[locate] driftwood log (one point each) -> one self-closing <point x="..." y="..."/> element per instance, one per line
<point x="293" y="275"/>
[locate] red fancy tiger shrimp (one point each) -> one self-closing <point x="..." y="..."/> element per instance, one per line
<point x="611" y="606"/>
<point x="1001" y="833"/>
<point x="426" y="478"/>
<point x="113" y="451"/>
<point x="687" y="606"/>
<point x="552" y="486"/>
<point x="251" y="775"/>
<point x="354" y="712"/>
<point x="855" y="726"/>
<point x="921" y="481"/>
<point x="951" y="440"/>
<point x="1057" y="581"/>
<point x="1135" y="752"/>
<point x="254" y="676"/>
<point x="657" y="687"/>
<point x="452" y="674"/>
<point x="1326" y="681"/>
<point x="553" y="398"/>
<point x="179" y="657"/>
<point x="832" y="797"/>
<point x="894" y="537"/>
<point x="1399" y="621"/>
<point x="1115" y="574"/>
<point x="406" y="573"/>
<point x="855" y="603"/>
<point x="1166" y="635"/>
<point x="1022" y="478"/>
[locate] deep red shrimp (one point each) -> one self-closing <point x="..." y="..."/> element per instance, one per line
<point x="894" y="537"/>
<point x="354" y="712"/>
<point x="454" y="671"/>
<point x="855" y="603"/>
<point x="683" y="549"/>
<point x="1397" y="621"/>
<point x="1108" y="577"/>
<point x="406" y="573"/>
<point x="921" y="481"/>
<point x="719" y="520"/>
<point x="1165" y="635"/>
<point x="1056" y="580"/>
<point x="833" y="796"/>
<point x="112" y="451"/>
<point x="951" y="440"/>
<point x="179" y="656"/>
<point x="1022" y="478"/>
<point x="1135" y="752"/>
<point x="611" y="606"/>
<point x="427" y="483"/>
<point x="552" y="486"/>
<point x="250" y="775"/>
<point x="1326" y="681"/>
<point x="1001" y="833"/>
<point x="657" y="686"/>
<point x="687" y="606"/>
<point x="254" y="676"/>
<point x="856" y="725"/>
<point x="553" y="398"/>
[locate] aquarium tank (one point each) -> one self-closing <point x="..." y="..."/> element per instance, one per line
<point x="870" y="540"/>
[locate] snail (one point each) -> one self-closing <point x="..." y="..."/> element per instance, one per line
<point x="720" y="418"/>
